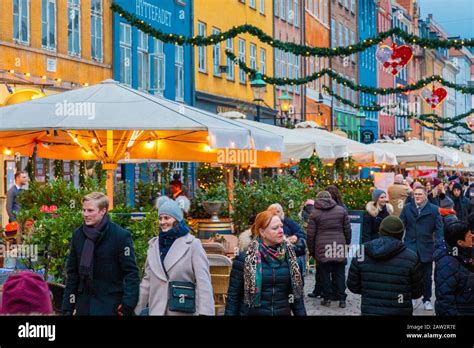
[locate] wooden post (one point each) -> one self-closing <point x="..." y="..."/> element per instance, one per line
<point x="230" y="188"/>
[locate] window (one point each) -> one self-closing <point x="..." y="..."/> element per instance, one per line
<point x="277" y="63"/>
<point x="74" y="27"/>
<point x="309" y="6"/>
<point x="230" y="62"/>
<point x="341" y="42"/>
<point x="157" y="68"/>
<point x="346" y="36"/>
<point x="291" y="14"/>
<point x="325" y="14"/>
<point x="346" y="4"/>
<point x="317" y="70"/>
<point x="216" y="54"/>
<point x="242" y="77"/>
<point x="48" y="24"/>
<point x="352" y="44"/>
<point x="202" y="49"/>
<point x="143" y="61"/>
<point x="290" y="69"/>
<point x="297" y="72"/>
<point x="276" y="5"/>
<point x="179" y="72"/>
<point x="296" y="12"/>
<point x="320" y="15"/>
<point x="353" y="93"/>
<point x="252" y="3"/>
<point x="283" y="9"/>
<point x="126" y="54"/>
<point x="353" y="6"/>
<point x="333" y="33"/>
<point x="96" y="30"/>
<point x="253" y="56"/>
<point x="262" y="6"/>
<point x="21" y="21"/>
<point x="263" y="61"/>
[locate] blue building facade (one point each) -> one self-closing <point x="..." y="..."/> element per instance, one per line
<point x="146" y="64"/>
<point x="367" y="18"/>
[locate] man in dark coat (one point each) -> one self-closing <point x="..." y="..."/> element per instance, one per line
<point x="329" y="233"/>
<point x="454" y="271"/>
<point x="462" y="205"/>
<point x="386" y="259"/>
<point x="13" y="207"/>
<point x="102" y="274"/>
<point x="424" y="226"/>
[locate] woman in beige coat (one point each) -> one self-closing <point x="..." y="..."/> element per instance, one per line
<point x="184" y="259"/>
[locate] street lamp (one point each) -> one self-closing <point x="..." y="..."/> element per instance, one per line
<point x="259" y="88"/>
<point x="285" y="101"/>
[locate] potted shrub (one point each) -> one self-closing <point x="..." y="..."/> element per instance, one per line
<point x="213" y="200"/>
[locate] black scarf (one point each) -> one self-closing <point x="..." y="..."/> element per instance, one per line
<point x="166" y="239"/>
<point x="92" y="233"/>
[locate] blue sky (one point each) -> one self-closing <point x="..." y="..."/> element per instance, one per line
<point x="455" y="16"/>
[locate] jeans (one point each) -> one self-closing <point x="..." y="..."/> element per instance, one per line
<point x="427" y="268"/>
<point x="333" y="273"/>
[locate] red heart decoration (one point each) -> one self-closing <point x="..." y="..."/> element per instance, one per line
<point x="400" y="57"/>
<point x="470" y="122"/>
<point x="404" y="53"/>
<point x="435" y="97"/>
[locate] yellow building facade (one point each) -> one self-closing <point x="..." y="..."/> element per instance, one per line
<point x="219" y="91"/>
<point x="37" y="49"/>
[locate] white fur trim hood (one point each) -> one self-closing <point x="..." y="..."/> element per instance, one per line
<point x="374" y="211"/>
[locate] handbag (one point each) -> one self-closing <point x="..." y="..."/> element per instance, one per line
<point x="181" y="296"/>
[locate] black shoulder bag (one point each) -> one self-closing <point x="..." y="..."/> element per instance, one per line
<point x="181" y="296"/>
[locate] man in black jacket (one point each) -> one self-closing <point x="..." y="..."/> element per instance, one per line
<point x="102" y="274"/>
<point x="462" y="205"/>
<point x="389" y="276"/>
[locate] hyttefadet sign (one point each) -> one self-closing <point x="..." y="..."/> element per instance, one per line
<point x="37" y="331"/>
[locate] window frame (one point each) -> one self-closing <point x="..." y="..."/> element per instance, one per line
<point x="48" y="46"/>
<point x="75" y="7"/>
<point x="19" y="39"/>
<point x="202" y="50"/>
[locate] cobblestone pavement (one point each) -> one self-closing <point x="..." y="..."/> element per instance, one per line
<point x="313" y="305"/>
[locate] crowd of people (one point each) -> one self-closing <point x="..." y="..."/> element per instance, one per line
<point x="406" y="230"/>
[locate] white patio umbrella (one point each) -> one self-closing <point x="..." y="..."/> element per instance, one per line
<point x="111" y="122"/>
<point x="417" y="153"/>
<point x="361" y="153"/>
<point x="466" y="159"/>
<point x="298" y="146"/>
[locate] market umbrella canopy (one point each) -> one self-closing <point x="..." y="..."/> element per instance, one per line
<point x="111" y="122"/>
<point x="138" y="120"/>
<point x="361" y="153"/>
<point x="298" y="146"/>
<point x="416" y="152"/>
<point x="466" y="159"/>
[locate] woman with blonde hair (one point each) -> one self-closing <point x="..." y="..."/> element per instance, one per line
<point x="265" y="279"/>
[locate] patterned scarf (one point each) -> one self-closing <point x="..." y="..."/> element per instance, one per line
<point x="274" y="257"/>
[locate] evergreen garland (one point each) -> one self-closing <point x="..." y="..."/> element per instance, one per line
<point x="278" y="81"/>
